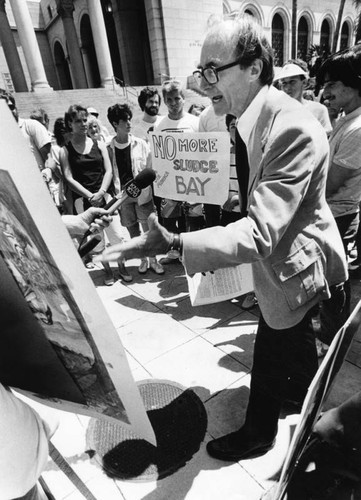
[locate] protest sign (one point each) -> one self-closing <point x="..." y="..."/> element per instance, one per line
<point x="192" y="167"/>
<point x="58" y="344"/>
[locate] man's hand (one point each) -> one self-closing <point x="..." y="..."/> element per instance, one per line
<point x="149" y="244"/>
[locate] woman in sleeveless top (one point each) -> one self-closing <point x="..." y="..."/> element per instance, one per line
<point x="88" y="172"/>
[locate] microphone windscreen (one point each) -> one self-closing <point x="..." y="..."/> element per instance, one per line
<point x="144" y="178"/>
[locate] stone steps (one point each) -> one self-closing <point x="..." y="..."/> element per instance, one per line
<point x="57" y="102"/>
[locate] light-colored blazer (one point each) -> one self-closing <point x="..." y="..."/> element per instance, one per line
<point x="289" y="235"/>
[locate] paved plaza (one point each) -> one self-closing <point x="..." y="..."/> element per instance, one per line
<point x="207" y="349"/>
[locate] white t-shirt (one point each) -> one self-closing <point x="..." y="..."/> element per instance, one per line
<point x="143" y="128"/>
<point x="188" y="123"/>
<point x="36" y="136"/>
<point x="210" y="122"/>
<point x="23" y="446"/>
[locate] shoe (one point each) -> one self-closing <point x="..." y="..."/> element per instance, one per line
<point x="249" y="302"/>
<point x="109" y="281"/>
<point x="155" y="266"/>
<point x="143" y="268"/>
<point x="123" y="273"/>
<point x="89" y="265"/>
<point x="233" y="448"/>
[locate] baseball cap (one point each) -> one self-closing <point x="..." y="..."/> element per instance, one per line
<point x="290" y="70"/>
<point x="92" y="111"/>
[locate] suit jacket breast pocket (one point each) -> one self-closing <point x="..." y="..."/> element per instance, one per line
<point x="301" y="275"/>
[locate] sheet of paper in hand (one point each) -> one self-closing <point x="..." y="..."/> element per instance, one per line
<point x="220" y="285"/>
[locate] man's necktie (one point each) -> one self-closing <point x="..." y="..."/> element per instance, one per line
<point x="242" y="167"/>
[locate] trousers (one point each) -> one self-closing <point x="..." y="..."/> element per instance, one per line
<point x="284" y="364"/>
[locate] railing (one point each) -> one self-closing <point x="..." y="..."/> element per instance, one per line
<point x="127" y="89"/>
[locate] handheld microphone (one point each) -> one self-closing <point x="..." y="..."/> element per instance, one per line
<point x="132" y="189"/>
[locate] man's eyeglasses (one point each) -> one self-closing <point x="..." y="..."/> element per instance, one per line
<point x="210" y="74"/>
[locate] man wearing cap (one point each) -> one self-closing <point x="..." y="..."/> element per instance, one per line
<point x="293" y="78"/>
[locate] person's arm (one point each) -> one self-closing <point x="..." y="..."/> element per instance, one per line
<point x="68" y="176"/>
<point x="97" y="198"/>
<point x="336" y="180"/>
<point x="340" y="426"/>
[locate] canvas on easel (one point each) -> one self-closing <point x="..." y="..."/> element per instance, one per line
<point x="58" y="344"/>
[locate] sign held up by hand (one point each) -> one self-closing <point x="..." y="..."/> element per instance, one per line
<point x="191" y="167"/>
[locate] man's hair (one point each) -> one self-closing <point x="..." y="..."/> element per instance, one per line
<point x="229" y="118"/>
<point x="299" y="62"/>
<point x="73" y="110"/>
<point x="119" y="112"/>
<point x="251" y="44"/>
<point x="146" y="94"/>
<point x="170" y="86"/>
<point x="39" y="115"/>
<point x="58" y="130"/>
<point x="343" y="66"/>
<point x="4" y="94"/>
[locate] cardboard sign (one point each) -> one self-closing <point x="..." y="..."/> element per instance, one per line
<point x="192" y="167"/>
<point x="58" y="344"/>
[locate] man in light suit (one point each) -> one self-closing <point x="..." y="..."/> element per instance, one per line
<point x="289" y="234"/>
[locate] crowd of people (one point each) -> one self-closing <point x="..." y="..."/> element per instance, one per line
<point x="292" y="209"/>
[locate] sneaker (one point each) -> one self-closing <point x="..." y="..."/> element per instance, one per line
<point x="249" y="302"/>
<point x="155" y="266"/>
<point x="143" y="268"/>
<point x="109" y="280"/>
<point x="123" y="273"/>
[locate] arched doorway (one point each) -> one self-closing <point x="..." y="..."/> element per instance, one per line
<point x="345" y="36"/>
<point x="325" y="41"/>
<point x="302" y="38"/>
<point x="88" y="52"/>
<point x="278" y="39"/>
<point x="62" y="67"/>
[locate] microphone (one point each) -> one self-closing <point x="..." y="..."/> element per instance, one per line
<point x="132" y="189"/>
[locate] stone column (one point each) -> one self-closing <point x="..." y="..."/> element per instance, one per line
<point x="29" y="44"/>
<point x="121" y="41"/>
<point x="65" y="10"/>
<point x="101" y="43"/>
<point x="11" y="53"/>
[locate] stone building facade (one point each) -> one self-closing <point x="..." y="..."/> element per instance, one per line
<point x="69" y="44"/>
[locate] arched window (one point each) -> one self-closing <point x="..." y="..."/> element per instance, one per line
<point x="62" y="67"/>
<point x="302" y="38"/>
<point x="325" y="36"/>
<point x="345" y="37"/>
<point x="278" y="39"/>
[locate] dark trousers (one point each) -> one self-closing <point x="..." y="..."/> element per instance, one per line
<point x="284" y="364"/>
